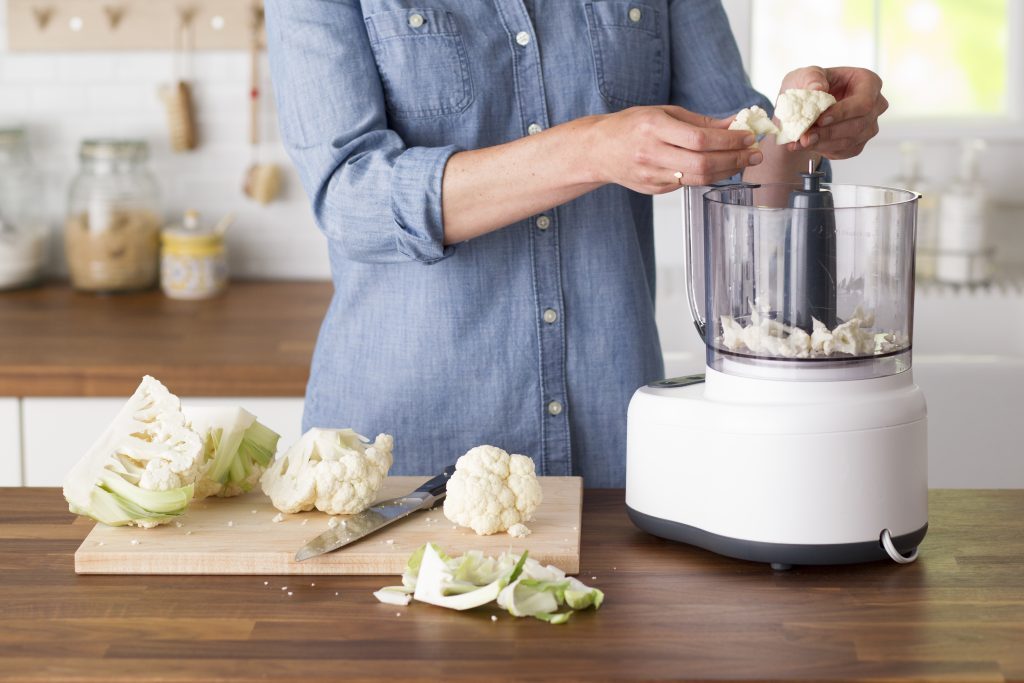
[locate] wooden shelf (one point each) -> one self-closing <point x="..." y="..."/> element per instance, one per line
<point x="72" y="25"/>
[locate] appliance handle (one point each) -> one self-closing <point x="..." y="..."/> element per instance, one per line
<point x="691" y="295"/>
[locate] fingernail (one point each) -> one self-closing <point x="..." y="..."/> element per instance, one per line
<point x="827" y="121"/>
<point x="812" y="140"/>
<point x="749" y="140"/>
<point x="755" y="158"/>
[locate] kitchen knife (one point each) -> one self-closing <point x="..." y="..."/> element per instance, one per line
<point x="377" y="517"/>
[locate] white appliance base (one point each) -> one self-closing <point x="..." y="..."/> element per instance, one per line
<point x="780" y="472"/>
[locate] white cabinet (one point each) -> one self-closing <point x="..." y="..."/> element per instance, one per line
<point x="10" y="442"/>
<point x="58" y="431"/>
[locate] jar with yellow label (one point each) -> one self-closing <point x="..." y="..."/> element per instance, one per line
<point x="193" y="264"/>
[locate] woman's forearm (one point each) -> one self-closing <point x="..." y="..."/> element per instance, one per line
<point x="646" y="149"/>
<point x="488" y="188"/>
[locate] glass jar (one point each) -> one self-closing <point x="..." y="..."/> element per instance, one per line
<point x="806" y="293"/>
<point x="193" y="264"/>
<point x="23" y="231"/>
<point x="112" y="232"/>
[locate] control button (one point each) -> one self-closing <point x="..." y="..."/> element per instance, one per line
<point x="523" y="38"/>
<point x="550" y="315"/>
<point x="534" y="128"/>
<point x="635" y="14"/>
<point x="555" y="408"/>
<point x="416" y="20"/>
<point x="543" y="222"/>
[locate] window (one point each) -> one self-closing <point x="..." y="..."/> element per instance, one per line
<point x="948" y="65"/>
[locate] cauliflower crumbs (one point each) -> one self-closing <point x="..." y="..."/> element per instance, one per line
<point x="332" y="523"/>
<point x="230" y="523"/>
<point x="278" y="518"/>
<point x="136" y="541"/>
<point x="519" y="530"/>
<point x="494" y="618"/>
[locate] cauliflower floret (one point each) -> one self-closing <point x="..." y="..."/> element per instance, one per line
<point x="492" y="491"/>
<point x="337" y="471"/>
<point x="141" y="469"/>
<point x="236" y="450"/>
<point x="797" y="110"/>
<point x="755" y="120"/>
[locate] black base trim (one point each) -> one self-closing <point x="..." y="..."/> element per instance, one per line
<point x="776" y="553"/>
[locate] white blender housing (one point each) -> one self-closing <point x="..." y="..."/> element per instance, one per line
<point x="805" y="441"/>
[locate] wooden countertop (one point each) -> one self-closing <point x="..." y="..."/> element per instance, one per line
<point x="671" y="612"/>
<point x="254" y="340"/>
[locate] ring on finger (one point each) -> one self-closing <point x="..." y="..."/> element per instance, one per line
<point x="678" y="175"/>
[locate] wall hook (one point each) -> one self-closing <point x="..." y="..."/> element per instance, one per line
<point x="115" y="13"/>
<point x="186" y="15"/>
<point x="42" y="16"/>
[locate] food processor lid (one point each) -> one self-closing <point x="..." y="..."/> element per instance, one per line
<point x="865" y="196"/>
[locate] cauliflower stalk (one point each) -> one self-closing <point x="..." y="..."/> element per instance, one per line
<point x="337" y="471"/>
<point x="492" y="491"/>
<point x="236" y="450"/>
<point x="142" y="468"/>
<point x="518" y="583"/>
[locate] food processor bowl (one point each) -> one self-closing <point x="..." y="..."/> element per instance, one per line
<point x="807" y="281"/>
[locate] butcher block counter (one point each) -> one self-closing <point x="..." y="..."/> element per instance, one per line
<point x="256" y="339"/>
<point x="671" y="612"/>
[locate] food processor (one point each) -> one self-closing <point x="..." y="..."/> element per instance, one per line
<point x="805" y="440"/>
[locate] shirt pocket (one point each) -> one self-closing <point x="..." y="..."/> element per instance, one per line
<point x="626" y="38"/>
<point x="422" y="62"/>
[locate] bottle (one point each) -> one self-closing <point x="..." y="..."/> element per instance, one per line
<point x="112" y="231"/>
<point x="23" y="231"/>
<point x="910" y="178"/>
<point x="963" y="256"/>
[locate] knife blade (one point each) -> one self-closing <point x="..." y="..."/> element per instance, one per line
<point x="377" y="517"/>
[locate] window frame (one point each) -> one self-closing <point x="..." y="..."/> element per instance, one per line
<point x="1010" y="127"/>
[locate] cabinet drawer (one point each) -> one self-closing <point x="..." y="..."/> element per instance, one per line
<point x="10" y="443"/>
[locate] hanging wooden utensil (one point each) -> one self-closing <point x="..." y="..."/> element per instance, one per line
<point x="177" y="96"/>
<point x="262" y="180"/>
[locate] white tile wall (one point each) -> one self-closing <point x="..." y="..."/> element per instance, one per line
<point x="64" y="97"/>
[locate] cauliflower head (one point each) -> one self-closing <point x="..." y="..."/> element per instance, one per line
<point x="142" y="468"/>
<point x="797" y="110"/>
<point x="492" y="491"/>
<point x="337" y="471"/>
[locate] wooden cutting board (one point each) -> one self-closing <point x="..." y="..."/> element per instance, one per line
<point x="238" y="536"/>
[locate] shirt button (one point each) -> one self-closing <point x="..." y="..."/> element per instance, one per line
<point x="555" y="408"/>
<point x="523" y="38"/>
<point x="543" y="222"/>
<point x="534" y="128"/>
<point x="635" y="14"/>
<point x="550" y="315"/>
<point x="416" y="20"/>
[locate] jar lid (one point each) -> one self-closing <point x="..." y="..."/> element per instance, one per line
<point x="191" y="233"/>
<point x="113" y="149"/>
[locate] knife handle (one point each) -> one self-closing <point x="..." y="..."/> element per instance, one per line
<point x="437" y="486"/>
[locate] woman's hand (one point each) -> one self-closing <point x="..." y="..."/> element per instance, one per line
<point x="644" y="148"/>
<point x="846" y="126"/>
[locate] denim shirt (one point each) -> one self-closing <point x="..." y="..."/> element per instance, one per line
<point x="534" y="337"/>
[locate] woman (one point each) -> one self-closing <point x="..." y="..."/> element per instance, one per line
<point x="482" y="170"/>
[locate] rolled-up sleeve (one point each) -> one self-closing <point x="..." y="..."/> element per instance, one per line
<point x="377" y="198"/>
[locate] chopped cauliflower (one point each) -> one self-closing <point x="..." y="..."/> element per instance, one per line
<point x="797" y="110"/>
<point x="755" y="120"/>
<point x="492" y="491"/>
<point x="142" y="468"/>
<point x="337" y="471"/>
